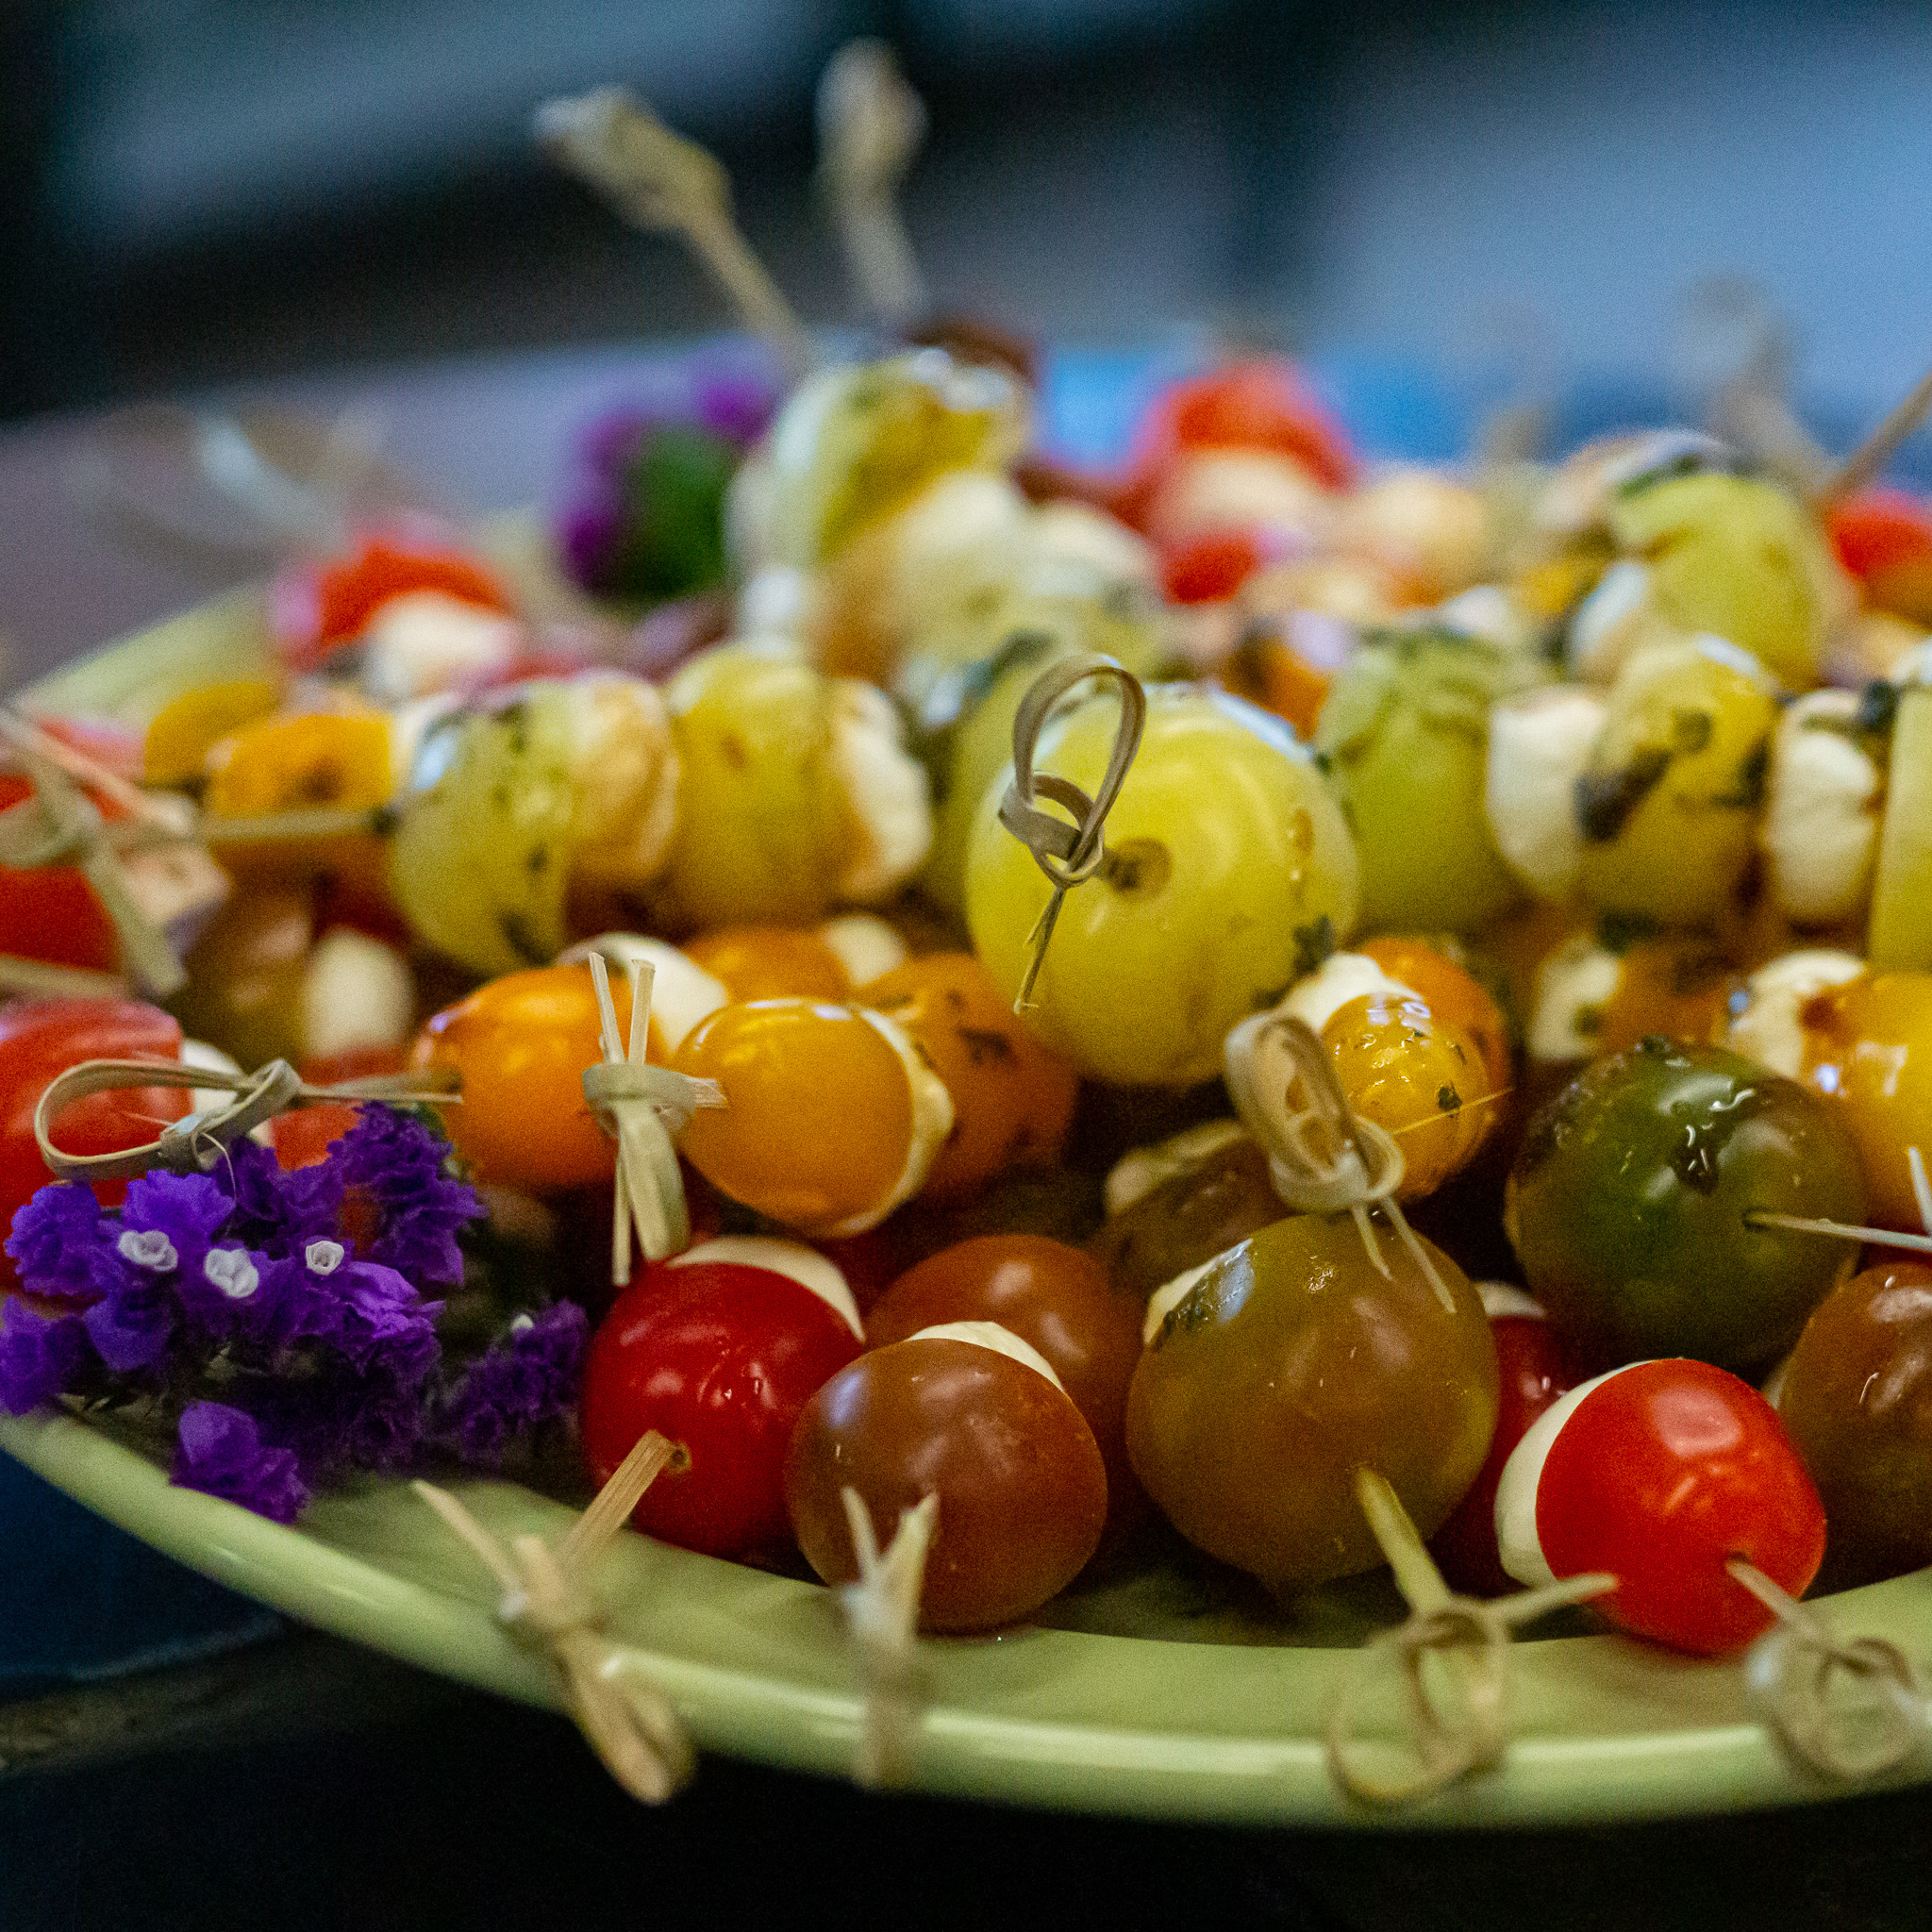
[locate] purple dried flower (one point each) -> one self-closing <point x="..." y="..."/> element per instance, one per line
<point x="53" y="1239"/>
<point x="395" y="1163"/>
<point x="220" y="1452"/>
<point x="40" y="1355"/>
<point x="135" y="1318"/>
<point x="278" y="1210"/>
<point x="335" y="1418"/>
<point x="168" y="1221"/>
<point x="530" y="1376"/>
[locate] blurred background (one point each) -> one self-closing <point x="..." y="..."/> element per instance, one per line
<point x="193" y="191"/>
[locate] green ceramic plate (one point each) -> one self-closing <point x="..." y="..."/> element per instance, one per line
<point x="1175" y="1693"/>
<point x="1215" y="1713"/>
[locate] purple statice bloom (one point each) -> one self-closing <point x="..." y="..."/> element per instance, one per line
<point x="395" y="1164"/>
<point x="172" y="1215"/>
<point x="335" y="1418"/>
<point x="220" y="1451"/>
<point x="231" y="1294"/>
<point x="278" y="1210"/>
<point x="530" y="1375"/>
<point x="53" y="1239"/>
<point x="40" y="1355"/>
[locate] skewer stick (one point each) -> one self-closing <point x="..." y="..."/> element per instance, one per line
<point x="871" y="125"/>
<point x="1870" y="457"/>
<point x="1849" y="1231"/>
<point x="658" y="181"/>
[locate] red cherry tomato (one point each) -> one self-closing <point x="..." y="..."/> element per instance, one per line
<point x="1058" y="1299"/>
<point x="1657" y="1473"/>
<point x="1884" y="538"/>
<point x="1258" y="404"/>
<point x="1531" y="1376"/>
<point x="720" y="1356"/>
<point x="1209" y="568"/>
<point x="40" y="1039"/>
<point x="1021" y="1490"/>
<point x="314" y="609"/>
<point x="51" y="912"/>
<point x="302" y="1136"/>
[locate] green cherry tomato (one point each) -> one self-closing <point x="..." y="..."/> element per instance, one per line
<point x="1630" y="1205"/>
<point x="1292" y="1363"/>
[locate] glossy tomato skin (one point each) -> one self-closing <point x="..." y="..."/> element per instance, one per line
<point x="1058" y="1299"/>
<point x="1531" y="1374"/>
<point x="720" y="1358"/>
<point x="1666" y="1470"/>
<point x="40" y="1039"/>
<point x="51" y="912"/>
<point x="1857" y="1398"/>
<point x="1021" y="1488"/>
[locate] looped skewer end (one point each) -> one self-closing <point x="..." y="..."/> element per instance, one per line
<point x="871" y="125"/>
<point x="1068" y="853"/>
<point x="547" y="1606"/>
<point x="644" y="1108"/>
<point x="1322" y="1158"/>
<point x="196" y="1143"/>
<point x="1456" y="1728"/>
<point x="656" y="179"/>
<point x="1791" y="1671"/>
<point x="882" y="1614"/>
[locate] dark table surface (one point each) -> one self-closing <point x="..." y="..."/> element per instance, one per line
<point x="293" y="1780"/>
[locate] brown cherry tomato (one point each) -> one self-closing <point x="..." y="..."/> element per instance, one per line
<point x="1020" y="1486"/>
<point x="1857" y="1399"/>
<point x="771" y="962"/>
<point x="1057" y="1298"/>
<point x="1188" y="1220"/>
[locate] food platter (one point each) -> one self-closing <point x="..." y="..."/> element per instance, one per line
<point x="1172" y="1692"/>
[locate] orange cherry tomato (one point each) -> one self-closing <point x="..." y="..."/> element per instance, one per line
<point x="1020" y="1486"/>
<point x="1270" y="672"/>
<point x="1012" y="1099"/>
<point x="1677" y="989"/>
<point x="819" y="1116"/>
<point x="520" y="1044"/>
<point x="768" y="963"/>
<point x="1058" y="1299"/>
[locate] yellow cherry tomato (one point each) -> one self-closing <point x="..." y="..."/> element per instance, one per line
<point x="820" y="1120"/>
<point x="764" y="962"/>
<point x="1452" y="994"/>
<point x="181" y="734"/>
<point x="1869" y="1049"/>
<point x="296" y="761"/>
<point x="1418" y="1076"/>
<point x="1012" y="1099"/>
<point x="520" y="1044"/>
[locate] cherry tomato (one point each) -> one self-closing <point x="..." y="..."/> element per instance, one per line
<point x="1270" y="671"/>
<point x="50" y="912"/>
<point x="1452" y="994"/>
<point x="768" y="963"/>
<point x="40" y="1039"/>
<point x="1012" y="1098"/>
<point x="302" y="1136"/>
<point x="315" y="609"/>
<point x="1209" y="568"/>
<point x="1057" y="1298"/>
<point x="1657" y="1473"/>
<point x="1256" y="404"/>
<point x="1677" y="989"/>
<point x="1189" y="1218"/>
<point x="1857" y="1398"/>
<point x="1020" y="1485"/>
<point x="1532" y="1374"/>
<point x="719" y="1351"/>
<point x="519" y="1045"/>
<point x="1628" y="1205"/>
<point x="830" y="1118"/>
<point x="1288" y="1364"/>
<point x="1884" y="538"/>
